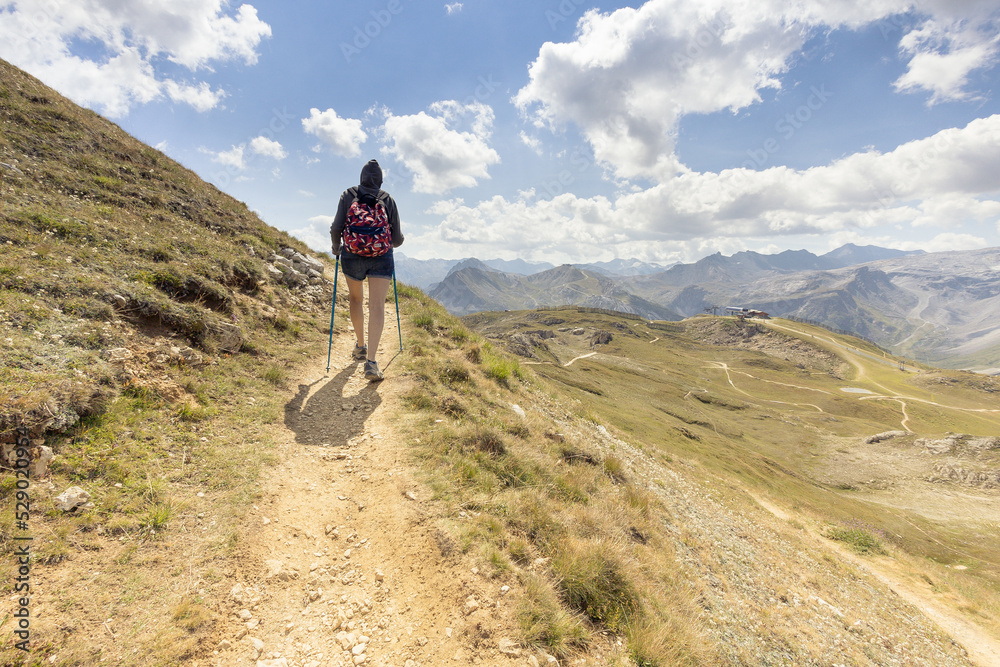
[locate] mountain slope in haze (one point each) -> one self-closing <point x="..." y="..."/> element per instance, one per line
<point x="473" y="289"/>
<point x="622" y="267"/>
<point x="747" y="265"/>
<point x="425" y="274"/>
<point x="942" y="308"/>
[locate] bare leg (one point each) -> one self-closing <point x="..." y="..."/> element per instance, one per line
<point x="356" y="297"/>
<point x="378" y="288"/>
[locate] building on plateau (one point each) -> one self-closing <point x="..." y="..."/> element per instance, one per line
<point x="746" y="312"/>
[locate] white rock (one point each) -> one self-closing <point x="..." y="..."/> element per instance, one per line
<point x="39" y="467"/>
<point x="71" y="498"/>
<point x="245" y="614"/>
<point x="509" y="647"/>
<point x="275" y="570"/>
<point x="257" y="647"/>
<point x="277" y="662"/>
<point x="118" y="354"/>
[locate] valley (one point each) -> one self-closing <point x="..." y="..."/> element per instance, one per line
<point x="821" y="429"/>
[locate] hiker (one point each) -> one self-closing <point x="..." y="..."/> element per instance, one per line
<point x="364" y="232"/>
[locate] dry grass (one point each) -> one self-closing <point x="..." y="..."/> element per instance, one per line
<point x="106" y="243"/>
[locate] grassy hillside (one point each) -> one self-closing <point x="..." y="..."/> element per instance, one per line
<point x="615" y="482"/>
<point x="138" y="311"/>
<point x="786" y="410"/>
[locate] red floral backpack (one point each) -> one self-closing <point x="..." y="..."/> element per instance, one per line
<point x="367" y="232"/>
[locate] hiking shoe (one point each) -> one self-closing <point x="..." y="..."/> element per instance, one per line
<point x="360" y="352"/>
<point x="372" y="373"/>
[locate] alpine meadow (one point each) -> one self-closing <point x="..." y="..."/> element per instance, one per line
<point x="184" y="483"/>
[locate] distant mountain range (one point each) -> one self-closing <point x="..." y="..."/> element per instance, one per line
<point x="941" y="308"/>
<point x="426" y="273"/>
<point x="473" y="286"/>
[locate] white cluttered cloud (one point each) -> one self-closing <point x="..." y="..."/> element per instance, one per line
<point x="342" y="136"/>
<point x="943" y="180"/>
<point x="443" y="148"/>
<point x="131" y="37"/>
<point x="631" y="75"/>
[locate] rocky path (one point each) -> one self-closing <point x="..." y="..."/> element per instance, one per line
<point x="344" y="562"/>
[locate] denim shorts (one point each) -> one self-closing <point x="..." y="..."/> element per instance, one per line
<point x="359" y="267"/>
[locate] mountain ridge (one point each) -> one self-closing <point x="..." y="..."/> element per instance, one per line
<point x="878" y="302"/>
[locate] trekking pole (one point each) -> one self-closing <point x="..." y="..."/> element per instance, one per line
<point x="399" y="328"/>
<point x="333" y="304"/>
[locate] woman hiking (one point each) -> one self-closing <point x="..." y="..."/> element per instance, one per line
<point x="364" y="232"/>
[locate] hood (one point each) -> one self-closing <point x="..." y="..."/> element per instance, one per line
<point x="371" y="179"/>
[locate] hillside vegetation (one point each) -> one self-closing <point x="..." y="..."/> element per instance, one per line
<point x="138" y="307"/>
<point x="625" y="492"/>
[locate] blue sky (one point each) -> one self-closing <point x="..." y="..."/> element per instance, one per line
<point x="560" y="131"/>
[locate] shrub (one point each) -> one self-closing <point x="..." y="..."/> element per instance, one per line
<point x="275" y="375"/>
<point x="485" y="440"/>
<point x="424" y="320"/>
<point x="500" y="367"/>
<point x="615" y="469"/>
<point x="861" y="538"/>
<point x="545" y="623"/>
<point x="453" y="372"/>
<point x="594" y="582"/>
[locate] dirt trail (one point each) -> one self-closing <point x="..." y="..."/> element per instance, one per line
<point x="582" y="356"/>
<point x="343" y="562"/>
<point x="982" y="648"/>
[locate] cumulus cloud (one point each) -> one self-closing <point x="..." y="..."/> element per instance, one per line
<point x="39" y="36"/>
<point x="316" y="233"/>
<point x="268" y="148"/>
<point x="343" y="136"/>
<point x="232" y="158"/>
<point x="942" y="55"/>
<point x="446" y="147"/>
<point x="950" y="241"/>
<point x="943" y="181"/>
<point x="236" y="158"/>
<point x="629" y="76"/>
<point x="453" y="8"/>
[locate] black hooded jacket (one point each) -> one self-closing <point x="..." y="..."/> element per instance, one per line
<point x="370" y="186"/>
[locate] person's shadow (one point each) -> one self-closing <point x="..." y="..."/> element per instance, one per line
<point x="330" y="416"/>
